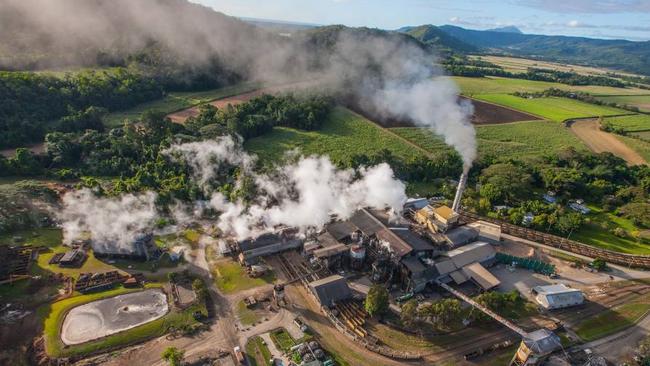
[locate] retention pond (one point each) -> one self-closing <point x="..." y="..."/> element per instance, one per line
<point x="109" y="316"/>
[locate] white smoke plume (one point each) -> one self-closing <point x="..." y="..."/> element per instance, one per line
<point x="206" y="157"/>
<point x="112" y="223"/>
<point x="300" y="195"/>
<point x="432" y="102"/>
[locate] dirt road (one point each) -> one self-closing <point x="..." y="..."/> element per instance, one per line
<point x="588" y="130"/>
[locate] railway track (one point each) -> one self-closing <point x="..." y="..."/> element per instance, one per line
<point x="623" y="259"/>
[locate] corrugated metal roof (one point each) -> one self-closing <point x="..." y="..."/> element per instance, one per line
<point x="368" y="224"/>
<point x="459" y="277"/>
<point x="327" y="240"/>
<point x="445" y="212"/>
<point x="341" y="229"/>
<point x="397" y="245"/>
<point x="461" y="236"/>
<point x="481" y="276"/>
<point x="414" y="265"/>
<point x="475" y="252"/>
<point x="330" y="251"/>
<point x="412" y="239"/>
<point x="554" y="289"/>
<point x="542" y="341"/>
<point x="331" y="289"/>
<point x="445" y="266"/>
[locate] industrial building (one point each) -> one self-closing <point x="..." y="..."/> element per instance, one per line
<point x="267" y="244"/>
<point x="72" y="258"/>
<point x="557" y="296"/>
<point x="467" y="263"/>
<point x="143" y="248"/>
<point x="536" y="347"/>
<point x="330" y="290"/>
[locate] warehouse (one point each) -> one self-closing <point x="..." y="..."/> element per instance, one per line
<point x="330" y="290"/>
<point x="267" y="244"/>
<point x="467" y="263"/>
<point x="143" y="248"/>
<point x="72" y="258"/>
<point x="557" y="296"/>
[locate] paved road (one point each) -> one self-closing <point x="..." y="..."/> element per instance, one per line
<point x="622" y="344"/>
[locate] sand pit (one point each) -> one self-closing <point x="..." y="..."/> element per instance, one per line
<point x="109" y="316"/>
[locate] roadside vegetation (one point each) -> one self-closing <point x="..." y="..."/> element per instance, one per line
<point x="258" y="353"/>
<point x="613" y="320"/>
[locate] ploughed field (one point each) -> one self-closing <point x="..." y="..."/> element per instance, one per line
<point x="112" y="315"/>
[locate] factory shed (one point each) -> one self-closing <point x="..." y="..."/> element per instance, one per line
<point x="460" y="236"/>
<point x="330" y="290"/>
<point x="341" y="229"/>
<point x="327" y="240"/>
<point x="459" y="277"/>
<point x="471" y="253"/>
<point x="267" y="244"/>
<point x="143" y="248"/>
<point x="331" y="251"/>
<point x="481" y="276"/>
<point x="542" y="342"/>
<point x="557" y="296"/>
<point x="445" y="266"/>
<point x="412" y="239"/>
<point x="487" y="231"/>
<point x="366" y="222"/>
<point x="398" y="246"/>
<point x="72" y="258"/>
<point x="416" y="203"/>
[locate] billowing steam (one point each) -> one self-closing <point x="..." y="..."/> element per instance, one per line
<point x="431" y="102"/>
<point x="114" y="224"/>
<point x="301" y="195"/>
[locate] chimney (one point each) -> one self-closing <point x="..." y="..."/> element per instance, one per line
<point x="459" y="192"/>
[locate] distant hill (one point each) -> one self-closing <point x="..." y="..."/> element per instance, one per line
<point x="615" y="54"/>
<point x="434" y="37"/>
<point x="508" y="29"/>
<point x="279" y="25"/>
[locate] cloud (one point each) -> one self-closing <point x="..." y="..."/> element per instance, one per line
<point x="589" y="6"/>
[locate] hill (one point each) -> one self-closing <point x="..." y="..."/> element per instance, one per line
<point x="616" y="54"/>
<point x="508" y="29"/>
<point x="438" y="39"/>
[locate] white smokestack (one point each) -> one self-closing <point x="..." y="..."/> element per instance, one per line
<point x="459" y="192"/>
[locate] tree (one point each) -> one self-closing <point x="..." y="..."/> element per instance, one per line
<point x="173" y="356"/>
<point x="444" y="312"/>
<point x="377" y="300"/>
<point x="409" y="314"/>
<point x="599" y="264"/>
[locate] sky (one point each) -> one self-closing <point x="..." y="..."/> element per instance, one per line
<point x="620" y="19"/>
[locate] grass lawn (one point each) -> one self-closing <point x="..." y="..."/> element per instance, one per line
<point x="613" y="320"/>
<point x="282" y="339"/>
<point x="521" y="139"/>
<point x="499" y="358"/>
<point x="45" y="237"/>
<point x="54" y="314"/>
<point x="640" y="146"/>
<point x="640" y="101"/>
<point x="246" y="316"/>
<point x="552" y="108"/>
<point x="343" y="135"/>
<point x="498" y="85"/>
<point x="231" y="277"/>
<point x="637" y="122"/>
<point x="178" y="100"/>
<point x="258" y="353"/>
<point x="598" y="233"/>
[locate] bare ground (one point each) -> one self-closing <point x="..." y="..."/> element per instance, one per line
<point x="588" y="130"/>
<point x="183" y="115"/>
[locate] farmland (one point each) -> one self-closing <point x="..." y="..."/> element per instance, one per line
<point x="633" y="123"/>
<point x="497" y="85"/>
<point x="521" y="139"/>
<point x="554" y="109"/>
<point x="640" y="101"/>
<point x="176" y="101"/>
<point x="344" y="135"/>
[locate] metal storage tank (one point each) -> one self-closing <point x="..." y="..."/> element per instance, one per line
<point x="357" y="256"/>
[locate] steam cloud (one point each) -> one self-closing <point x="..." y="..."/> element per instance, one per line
<point x="113" y="223"/>
<point x="301" y="195"/>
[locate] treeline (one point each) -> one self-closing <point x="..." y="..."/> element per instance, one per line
<point x="260" y="115"/>
<point x="132" y="152"/>
<point x="581" y="96"/>
<point x="479" y="68"/>
<point x="601" y="179"/>
<point x="32" y="104"/>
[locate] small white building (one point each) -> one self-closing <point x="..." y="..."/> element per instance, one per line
<point x="557" y="296"/>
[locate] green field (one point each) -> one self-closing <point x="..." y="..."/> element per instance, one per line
<point x="54" y="314"/>
<point x="258" y="353"/>
<point x="640" y="101"/>
<point x="554" y="109"/>
<point x="613" y="320"/>
<point x="497" y="85"/>
<point x="343" y="135"/>
<point x="231" y="277"/>
<point x="175" y="101"/>
<point x="598" y="233"/>
<point x="520" y="139"/>
<point x="637" y="122"/>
